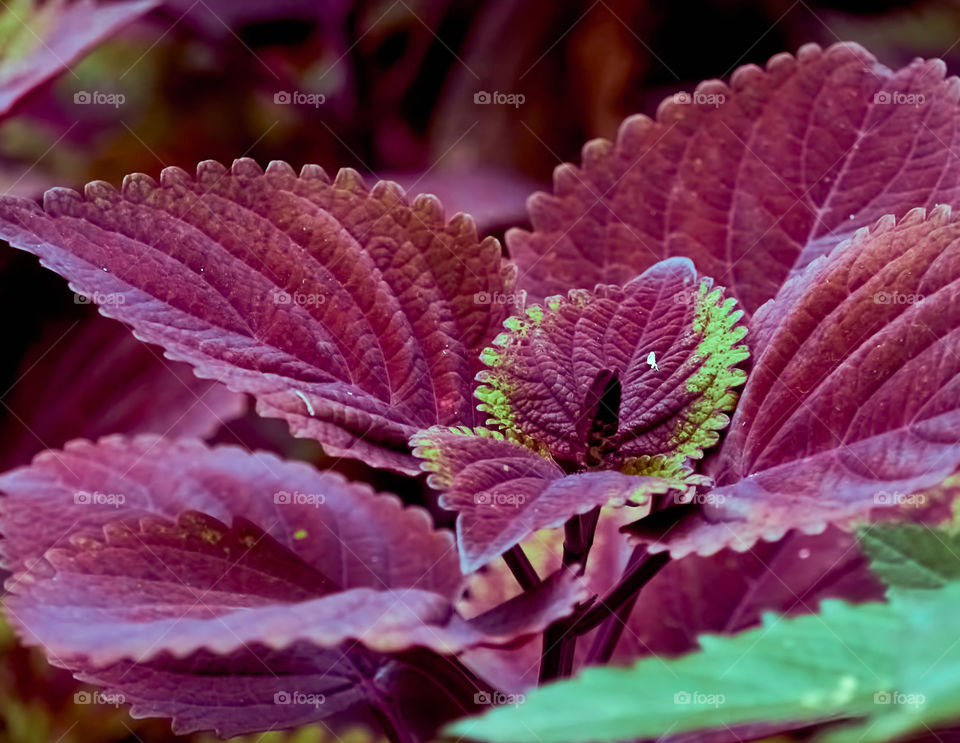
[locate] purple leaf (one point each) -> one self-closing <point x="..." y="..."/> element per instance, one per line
<point x="98" y="379"/>
<point x="53" y="36"/>
<point x="723" y="593"/>
<point x="347" y="312"/>
<point x="140" y="568"/>
<point x="752" y="180"/>
<point x="504" y="491"/>
<point x="853" y="401"/>
<point x="601" y="378"/>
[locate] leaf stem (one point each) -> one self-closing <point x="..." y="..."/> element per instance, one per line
<point x="560" y="639"/>
<point x="394" y="728"/>
<point x="641" y="568"/>
<point x="578" y="538"/>
<point x="522" y="569"/>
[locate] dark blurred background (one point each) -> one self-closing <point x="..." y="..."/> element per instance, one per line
<point x="387" y="87"/>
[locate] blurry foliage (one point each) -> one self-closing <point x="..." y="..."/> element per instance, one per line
<point x="399" y="79"/>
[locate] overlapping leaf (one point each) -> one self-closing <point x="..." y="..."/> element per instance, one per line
<point x="853" y="402"/>
<point x="96" y="379"/>
<point x="350" y="313"/>
<point x="238" y="551"/>
<point x="752" y="180"/>
<point x="723" y="593"/>
<point x="601" y="378"/>
<point x="40" y="40"/>
<point x="912" y="556"/>
<point x="504" y="491"/>
<point x="893" y="664"/>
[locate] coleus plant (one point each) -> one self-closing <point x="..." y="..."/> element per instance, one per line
<point x="787" y="238"/>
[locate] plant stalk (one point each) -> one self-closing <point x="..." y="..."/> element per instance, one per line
<point x="522" y="569"/>
<point x="560" y="639"/>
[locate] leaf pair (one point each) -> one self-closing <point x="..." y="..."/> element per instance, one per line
<point x="240" y="561"/>
<point x="356" y="317"/>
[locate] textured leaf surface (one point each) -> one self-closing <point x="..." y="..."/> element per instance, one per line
<point x="752" y="180"/>
<point x="504" y="491"/>
<point x="345" y="311"/>
<point x="97" y="379"/>
<point x="598" y="379"/>
<point x="853" y="401"/>
<point x="895" y="664"/>
<point x="39" y="41"/>
<point x="912" y="556"/>
<point x="126" y="570"/>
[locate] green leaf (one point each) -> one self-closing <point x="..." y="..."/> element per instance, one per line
<point x="895" y="664"/>
<point x="912" y="556"/>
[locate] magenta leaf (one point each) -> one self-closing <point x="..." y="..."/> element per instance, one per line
<point x="136" y="567"/>
<point x="49" y="37"/>
<point x="503" y="491"/>
<point x="853" y="401"/>
<point x="349" y="313"/>
<point x="752" y="180"/>
<point x="99" y="380"/>
<point x="723" y="593"/>
<point x="601" y="378"/>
